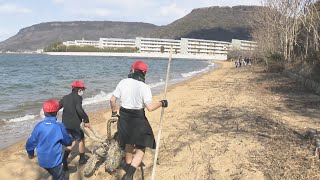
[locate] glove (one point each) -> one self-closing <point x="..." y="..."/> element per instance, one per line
<point x="115" y="114"/>
<point x="30" y="156"/>
<point x="164" y="103"/>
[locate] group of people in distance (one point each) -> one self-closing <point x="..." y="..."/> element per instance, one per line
<point x="243" y="61"/>
<point x="134" y="131"/>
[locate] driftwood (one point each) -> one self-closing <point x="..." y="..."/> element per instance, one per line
<point x="264" y="135"/>
<point x="268" y="135"/>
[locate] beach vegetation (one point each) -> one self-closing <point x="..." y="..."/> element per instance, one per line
<point x="60" y="47"/>
<point x="56" y="47"/>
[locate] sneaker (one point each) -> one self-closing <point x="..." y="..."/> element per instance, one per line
<point x="127" y="177"/>
<point x="129" y="174"/>
<point x="82" y="161"/>
<point x="124" y="166"/>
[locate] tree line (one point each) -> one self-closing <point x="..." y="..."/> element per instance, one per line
<point x="287" y="32"/>
<point x="60" y="47"/>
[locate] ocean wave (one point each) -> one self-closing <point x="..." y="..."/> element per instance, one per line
<point x="153" y="85"/>
<point x="20" y="119"/>
<point x="192" y="73"/>
<point x="101" y="97"/>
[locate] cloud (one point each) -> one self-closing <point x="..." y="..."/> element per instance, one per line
<point x="13" y="9"/>
<point x="58" y="1"/>
<point x="91" y="12"/>
<point x="101" y="12"/>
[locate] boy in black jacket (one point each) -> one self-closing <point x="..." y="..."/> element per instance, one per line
<point x="73" y="115"/>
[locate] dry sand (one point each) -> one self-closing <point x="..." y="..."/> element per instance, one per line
<point x="226" y="124"/>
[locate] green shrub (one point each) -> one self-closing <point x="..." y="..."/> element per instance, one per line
<point x="59" y="47"/>
<point x="275" y="62"/>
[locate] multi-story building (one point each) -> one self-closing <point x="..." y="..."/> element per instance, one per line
<point x="243" y="45"/>
<point x="82" y="42"/>
<point x="185" y="46"/>
<point x="200" y="46"/>
<point x="155" y="45"/>
<point x="69" y="43"/>
<point x="116" y="42"/>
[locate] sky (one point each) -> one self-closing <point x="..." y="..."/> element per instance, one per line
<point x="17" y="14"/>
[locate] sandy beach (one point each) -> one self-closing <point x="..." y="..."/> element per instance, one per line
<point x="226" y="124"/>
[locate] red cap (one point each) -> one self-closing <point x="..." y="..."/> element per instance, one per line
<point x="50" y="106"/>
<point x="140" y="65"/>
<point x="78" y="84"/>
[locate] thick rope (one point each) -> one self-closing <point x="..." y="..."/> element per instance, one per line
<point x="92" y="135"/>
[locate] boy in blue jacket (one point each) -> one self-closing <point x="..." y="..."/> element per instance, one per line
<point x="47" y="138"/>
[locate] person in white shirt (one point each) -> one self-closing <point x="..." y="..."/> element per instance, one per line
<point x="134" y="130"/>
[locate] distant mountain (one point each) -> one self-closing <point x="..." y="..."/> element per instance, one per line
<point x="214" y="23"/>
<point x="41" y="35"/>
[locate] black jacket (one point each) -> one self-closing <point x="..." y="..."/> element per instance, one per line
<point x="73" y="113"/>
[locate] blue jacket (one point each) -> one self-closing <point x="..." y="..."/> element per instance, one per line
<point x="47" y="137"/>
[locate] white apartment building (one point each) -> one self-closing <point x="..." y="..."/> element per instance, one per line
<point x="185" y="46"/>
<point x="116" y="42"/>
<point x="69" y="43"/>
<point x="243" y="45"/>
<point x="82" y="42"/>
<point x="200" y="46"/>
<point x="153" y="45"/>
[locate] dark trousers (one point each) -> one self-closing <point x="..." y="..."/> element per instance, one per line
<point x="57" y="172"/>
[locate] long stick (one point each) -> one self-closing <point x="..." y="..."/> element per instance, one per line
<point x="161" y="118"/>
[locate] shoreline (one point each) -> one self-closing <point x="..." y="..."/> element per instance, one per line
<point x="29" y="116"/>
<point x="140" y="55"/>
<point x="224" y="124"/>
<point x="104" y="109"/>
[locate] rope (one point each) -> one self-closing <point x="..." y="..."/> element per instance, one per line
<point x="112" y="120"/>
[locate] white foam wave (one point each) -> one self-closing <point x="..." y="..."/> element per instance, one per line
<point x="153" y="85"/>
<point x="101" y="97"/>
<point x="20" y="119"/>
<point x="192" y="73"/>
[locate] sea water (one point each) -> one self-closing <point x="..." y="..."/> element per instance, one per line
<point x="27" y="80"/>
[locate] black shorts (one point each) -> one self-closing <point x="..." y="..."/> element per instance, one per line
<point x="76" y="135"/>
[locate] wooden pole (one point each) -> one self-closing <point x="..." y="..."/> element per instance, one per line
<point x="161" y="119"/>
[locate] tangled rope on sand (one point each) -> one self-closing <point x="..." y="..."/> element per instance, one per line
<point x="107" y="150"/>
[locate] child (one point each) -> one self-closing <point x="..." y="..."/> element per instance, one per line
<point x="135" y="132"/>
<point x="47" y="138"/>
<point x="73" y="115"/>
